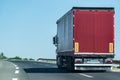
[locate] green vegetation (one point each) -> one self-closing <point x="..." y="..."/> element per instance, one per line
<point x="31" y="59"/>
<point x="25" y="59"/>
<point x="118" y="67"/>
<point x="15" y="58"/>
<point x="3" y="57"/>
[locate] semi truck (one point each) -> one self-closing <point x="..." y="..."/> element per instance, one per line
<point x="85" y="39"/>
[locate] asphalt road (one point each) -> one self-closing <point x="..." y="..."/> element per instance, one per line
<point x="28" y="70"/>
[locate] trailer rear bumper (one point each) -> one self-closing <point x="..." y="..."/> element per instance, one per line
<point x="87" y="55"/>
<point x="106" y="67"/>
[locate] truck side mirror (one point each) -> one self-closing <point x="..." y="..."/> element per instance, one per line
<point x="55" y="40"/>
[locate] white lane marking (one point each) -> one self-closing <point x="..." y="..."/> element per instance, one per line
<point x="14" y="78"/>
<point x="86" y="75"/>
<point x="17" y="67"/>
<point x="14" y="64"/>
<point x="17" y="71"/>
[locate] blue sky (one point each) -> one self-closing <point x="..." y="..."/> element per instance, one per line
<point x="27" y="26"/>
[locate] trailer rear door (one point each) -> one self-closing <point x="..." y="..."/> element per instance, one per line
<point x="93" y="31"/>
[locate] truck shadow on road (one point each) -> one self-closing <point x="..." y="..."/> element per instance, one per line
<point x="45" y="70"/>
<point x="55" y="70"/>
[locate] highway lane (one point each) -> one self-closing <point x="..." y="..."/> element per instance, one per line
<point x="46" y="71"/>
<point x="10" y="71"/>
<point x="6" y="71"/>
<point x="30" y="70"/>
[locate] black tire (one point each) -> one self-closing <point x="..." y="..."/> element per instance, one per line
<point x="70" y="63"/>
<point x="59" y="62"/>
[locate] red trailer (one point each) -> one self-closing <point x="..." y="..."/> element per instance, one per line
<point x="85" y="39"/>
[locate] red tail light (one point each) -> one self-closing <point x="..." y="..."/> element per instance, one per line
<point x="78" y="61"/>
<point x="108" y="61"/>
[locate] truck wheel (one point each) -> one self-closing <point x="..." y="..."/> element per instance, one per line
<point x="59" y="62"/>
<point x="70" y="63"/>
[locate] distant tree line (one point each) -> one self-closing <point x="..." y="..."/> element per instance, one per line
<point x="3" y="57"/>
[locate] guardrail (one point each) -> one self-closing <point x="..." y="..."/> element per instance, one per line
<point x="47" y="60"/>
<point x="115" y="62"/>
